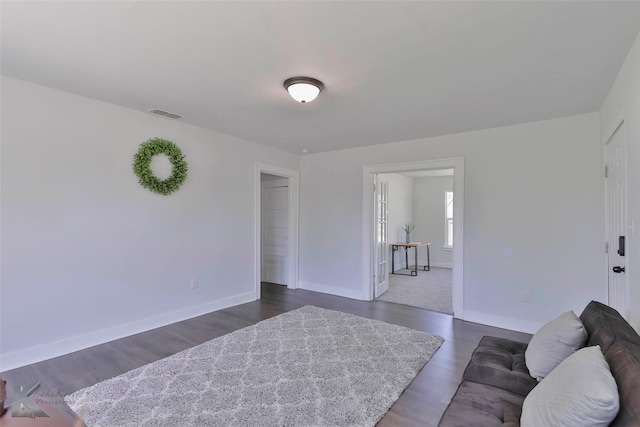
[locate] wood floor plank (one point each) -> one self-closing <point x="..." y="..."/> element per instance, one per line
<point x="422" y="403"/>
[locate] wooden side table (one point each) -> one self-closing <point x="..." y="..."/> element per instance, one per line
<point x="406" y="246"/>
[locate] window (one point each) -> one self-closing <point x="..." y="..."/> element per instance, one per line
<point x="448" y="238"/>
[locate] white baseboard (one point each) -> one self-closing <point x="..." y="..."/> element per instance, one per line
<point x="332" y="290"/>
<point x="53" y="349"/>
<point x="502" y="322"/>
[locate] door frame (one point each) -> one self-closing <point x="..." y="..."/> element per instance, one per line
<point x="276" y="183"/>
<point x="368" y="253"/>
<point x="292" y="177"/>
<point x="616" y="126"/>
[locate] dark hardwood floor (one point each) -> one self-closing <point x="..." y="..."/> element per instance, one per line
<point x="421" y="404"/>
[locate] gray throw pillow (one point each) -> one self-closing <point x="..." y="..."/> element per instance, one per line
<point x="553" y="343"/>
<point x="580" y="392"/>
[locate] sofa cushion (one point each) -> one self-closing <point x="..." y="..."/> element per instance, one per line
<point x="605" y="325"/>
<point x="624" y="360"/>
<point x="482" y="405"/>
<point x="500" y="362"/>
<point x="579" y="392"/>
<point x="552" y="344"/>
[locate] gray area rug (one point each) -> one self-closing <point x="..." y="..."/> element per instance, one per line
<point x="306" y="367"/>
<point x="430" y="290"/>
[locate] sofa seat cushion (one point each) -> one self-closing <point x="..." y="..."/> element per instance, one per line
<point x="605" y="326"/>
<point x="500" y="362"/>
<point x="624" y="361"/>
<point x="482" y="405"/>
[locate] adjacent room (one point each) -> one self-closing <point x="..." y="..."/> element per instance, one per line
<point x="420" y="210"/>
<point x="319" y="213"/>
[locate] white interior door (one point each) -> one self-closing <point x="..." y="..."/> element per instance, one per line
<point x="275" y="231"/>
<point x="616" y="196"/>
<point x="381" y="274"/>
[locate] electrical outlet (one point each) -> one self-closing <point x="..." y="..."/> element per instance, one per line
<point x="526" y="296"/>
<point x="194" y="282"/>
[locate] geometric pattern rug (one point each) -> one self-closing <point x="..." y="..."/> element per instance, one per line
<point x="306" y="367"/>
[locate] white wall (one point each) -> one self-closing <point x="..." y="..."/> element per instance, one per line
<point x="535" y="187"/>
<point x="624" y="101"/>
<point x="88" y="255"/>
<point x="429" y="217"/>
<point x="400" y="210"/>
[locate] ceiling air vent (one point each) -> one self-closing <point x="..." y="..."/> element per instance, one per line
<point x="164" y="113"/>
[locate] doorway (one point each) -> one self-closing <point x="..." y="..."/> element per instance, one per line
<point x="616" y="217"/>
<point x="422" y="200"/>
<point x="369" y="260"/>
<point x="276" y="226"/>
<point x="274" y="229"/>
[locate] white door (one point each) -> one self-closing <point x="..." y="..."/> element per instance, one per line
<point x="275" y="231"/>
<point x="616" y="198"/>
<point x="381" y="274"/>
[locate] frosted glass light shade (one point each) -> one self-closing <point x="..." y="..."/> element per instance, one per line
<point x="303" y="92"/>
<point x="303" y="89"/>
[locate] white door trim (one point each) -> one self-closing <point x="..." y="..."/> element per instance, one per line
<point x="293" y="178"/>
<point x="457" y="163"/>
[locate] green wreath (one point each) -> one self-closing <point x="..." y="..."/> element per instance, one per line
<point x="142" y="166"/>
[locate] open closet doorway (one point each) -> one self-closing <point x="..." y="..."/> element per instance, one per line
<point x="276" y="226"/>
<point x="449" y="238"/>
<point x="274" y="202"/>
<point x="422" y="202"/>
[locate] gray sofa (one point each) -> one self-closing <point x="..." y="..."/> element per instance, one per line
<point x="496" y="380"/>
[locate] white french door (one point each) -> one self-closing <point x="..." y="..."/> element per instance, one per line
<point x="616" y="212"/>
<point x="381" y="275"/>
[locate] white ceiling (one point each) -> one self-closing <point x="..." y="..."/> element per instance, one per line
<point x="393" y="70"/>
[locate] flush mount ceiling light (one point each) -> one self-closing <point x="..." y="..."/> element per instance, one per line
<point x="303" y="89"/>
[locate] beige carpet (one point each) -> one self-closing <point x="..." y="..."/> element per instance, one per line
<point x="430" y="290"/>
